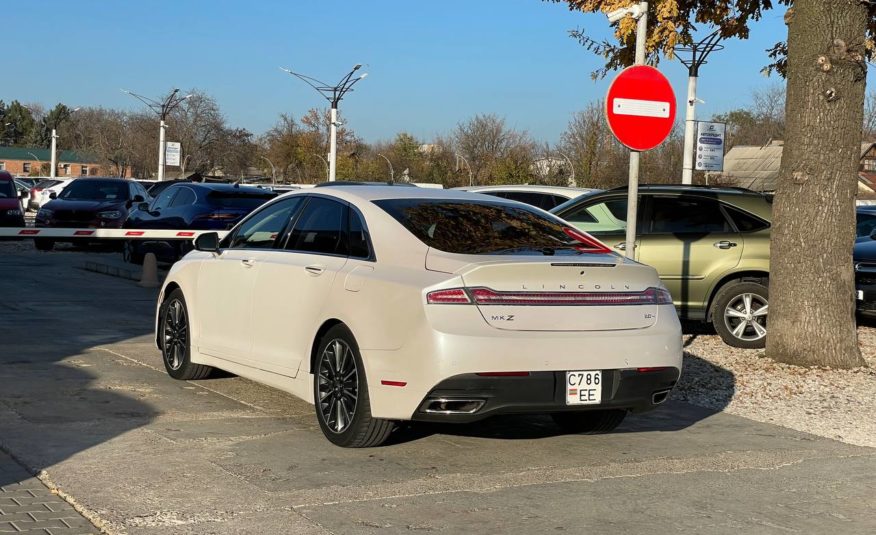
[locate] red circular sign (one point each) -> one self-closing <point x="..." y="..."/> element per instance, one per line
<point x="640" y="107"/>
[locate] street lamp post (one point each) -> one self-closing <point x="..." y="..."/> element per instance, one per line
<point x="391" y="172"/>
<point x="334" y="94"/>
<point x="162" y="108"/>
<point x="54" y="170"/>
<point x="698" y="54"/>
<point x="327" y="167"/>
<point x="39" y="162"/>
<point x="273" y="169"/>
<point x="470" y="174"/>
<point x="572" y="182"/>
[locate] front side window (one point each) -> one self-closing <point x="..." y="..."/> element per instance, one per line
<point x="321" y="228"/>
<point x="686" y="215"/>
<point x="261" y="230"/>
<point x="865" y="224"/>
<point x="476" y="227"/>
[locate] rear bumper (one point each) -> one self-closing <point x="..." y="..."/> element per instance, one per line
<point x="542" y="392"/>
<point x="435" y="361"/>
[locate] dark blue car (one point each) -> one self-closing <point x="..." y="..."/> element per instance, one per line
<point x="190" y="206"/>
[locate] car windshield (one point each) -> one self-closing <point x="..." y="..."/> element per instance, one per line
<point x="7" y="190"/>
<point x="477" y="227"/>
<point x="243" y="200"/>
<point x="95" y="190"/>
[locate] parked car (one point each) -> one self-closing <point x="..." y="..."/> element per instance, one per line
<point x="23" y="189"/>
<point x="385" y="303"/>
<point x="89" y="203"/>
<point x="11" y="210"/>
<point x="190" y="205"/>
<point x="864" y="256"/>
<point x="41" y="193"/>
<point x="710" y="246"/>
<point x="544" y="197"/>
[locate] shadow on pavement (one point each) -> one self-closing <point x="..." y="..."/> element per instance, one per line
<point x="701" y="382"/>
<point x="51" y="405"/>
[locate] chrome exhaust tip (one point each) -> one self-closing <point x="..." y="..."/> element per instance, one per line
<point x="453" y="406"/>
<point x="660" y="397"/>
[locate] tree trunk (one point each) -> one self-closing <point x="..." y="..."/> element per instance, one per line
<point x="812" y="305"/>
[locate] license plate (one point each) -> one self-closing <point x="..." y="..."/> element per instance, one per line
<point x="583" y="388"/>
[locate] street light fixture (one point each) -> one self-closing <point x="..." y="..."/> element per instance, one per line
<point x="334" y="94"/>
<point x="698" y="54"/>
<point x="470" y="174"/>
<point x="572" y="182"/>
<point x="162" y="108"/>
<point x="53" y="172"/>
<point x="327" y="172"/>
<point x="273" y="169"/>
<point x="391" y="172"/>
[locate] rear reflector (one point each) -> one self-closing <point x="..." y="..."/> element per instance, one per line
<point x="454" y="296"/>
<point x="393" y="383"/>
<point x="504" y="374"/>
<point x="652" y="370"/>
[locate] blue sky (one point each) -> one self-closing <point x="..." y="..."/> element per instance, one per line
<point x="430" y="64"/>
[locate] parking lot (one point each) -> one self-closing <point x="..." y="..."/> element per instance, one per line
<point x="85" y="399"/>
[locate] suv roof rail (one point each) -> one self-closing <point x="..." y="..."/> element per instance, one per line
<point x="360" y="183"/>
<point x="692" y="186"/>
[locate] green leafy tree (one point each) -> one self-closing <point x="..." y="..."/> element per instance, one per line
<point x="824" y="58"/>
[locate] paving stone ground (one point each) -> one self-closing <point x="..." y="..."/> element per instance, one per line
<point x="28" y="506"/>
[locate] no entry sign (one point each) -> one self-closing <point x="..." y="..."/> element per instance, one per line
<point x="640" y="107"/>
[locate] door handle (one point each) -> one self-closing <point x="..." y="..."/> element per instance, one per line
<point x="315" y="270"/>
<point x="622" y="246"/>
<point x="248" y="262"/>
<point x="724" y="244"/>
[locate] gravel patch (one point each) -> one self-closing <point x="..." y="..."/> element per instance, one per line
<point x="837" y="404"/>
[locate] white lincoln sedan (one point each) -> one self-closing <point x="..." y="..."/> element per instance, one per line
<point x="387" y="303"/>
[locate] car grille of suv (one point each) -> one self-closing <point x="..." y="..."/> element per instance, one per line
<point x="73" y="216"/>
<point x="865" y="274"/>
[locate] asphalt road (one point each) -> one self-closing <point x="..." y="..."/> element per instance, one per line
<point x="83" y="396"/>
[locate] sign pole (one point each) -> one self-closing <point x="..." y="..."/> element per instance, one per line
<point x="161" y="149"/>
<point x="690" y="121"/>
<point x="633" y="192"/>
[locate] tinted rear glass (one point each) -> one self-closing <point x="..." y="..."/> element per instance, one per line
<point x="240" y="200"/>
<point x="745" y="222"/>
<point x="96" y="190"/>
<point x="43" y="184"/>
<point x="477" y="227"/>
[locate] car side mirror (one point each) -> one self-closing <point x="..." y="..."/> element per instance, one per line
<point x="138" y="198"/>
<point x="53" y="195"/>
<point x="207" y="242"/>
<point x="143" y="206"/>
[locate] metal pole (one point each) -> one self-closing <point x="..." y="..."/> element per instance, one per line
<point x="52" y="172"/>
<point x="273" y="169"/>
<point x="333" y="144"/>
<point x="161" y="128"/>
<point x="324" y="161"/>
<point x="391" y="172"/>
<point x="633" y="193"/>
<point x="690" y="122"/>
<point x="572" y="182"/>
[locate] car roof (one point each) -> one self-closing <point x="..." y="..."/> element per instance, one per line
<point x="381" y="191"/>
<point x="535" y="188"/>
<point x="691" y="188"/>
<point x="219" y="186"/>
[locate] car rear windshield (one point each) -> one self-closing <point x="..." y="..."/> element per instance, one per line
<point x="477" y="227"/>
<point x="95" y="190"/>
<point x="7" y="190"/>
<point x="43" y="184"/>
<point x="240" y="200"/>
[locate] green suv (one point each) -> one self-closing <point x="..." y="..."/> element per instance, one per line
<point x="710" y="246"/>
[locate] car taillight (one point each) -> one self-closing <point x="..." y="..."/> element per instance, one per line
<point x="454" y="296"/>
<point x="589" y="243"/>
<point x="486" y="296"/>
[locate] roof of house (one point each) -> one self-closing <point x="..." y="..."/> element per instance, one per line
<point x="34" y="154"/>
<point x="756" y="167"/>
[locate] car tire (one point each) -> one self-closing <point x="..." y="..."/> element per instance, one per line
<point x="589" y="422"/>
<point x="43" y="244"/>
<point x="340" y="393"/>
<point x="736" y="313"/>
<point x="174" y="332"/>
<point x="130" y="254"/>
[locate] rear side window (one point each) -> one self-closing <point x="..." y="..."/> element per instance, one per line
<point x="185" y="197"/>
<point x="474" y="227"/>
<point x="744" y="221"/>
<point x="242" y="200"/>
<point x="320" y="228"/>
<point x="358" y="237"/>
<point x="686" y="215"/>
